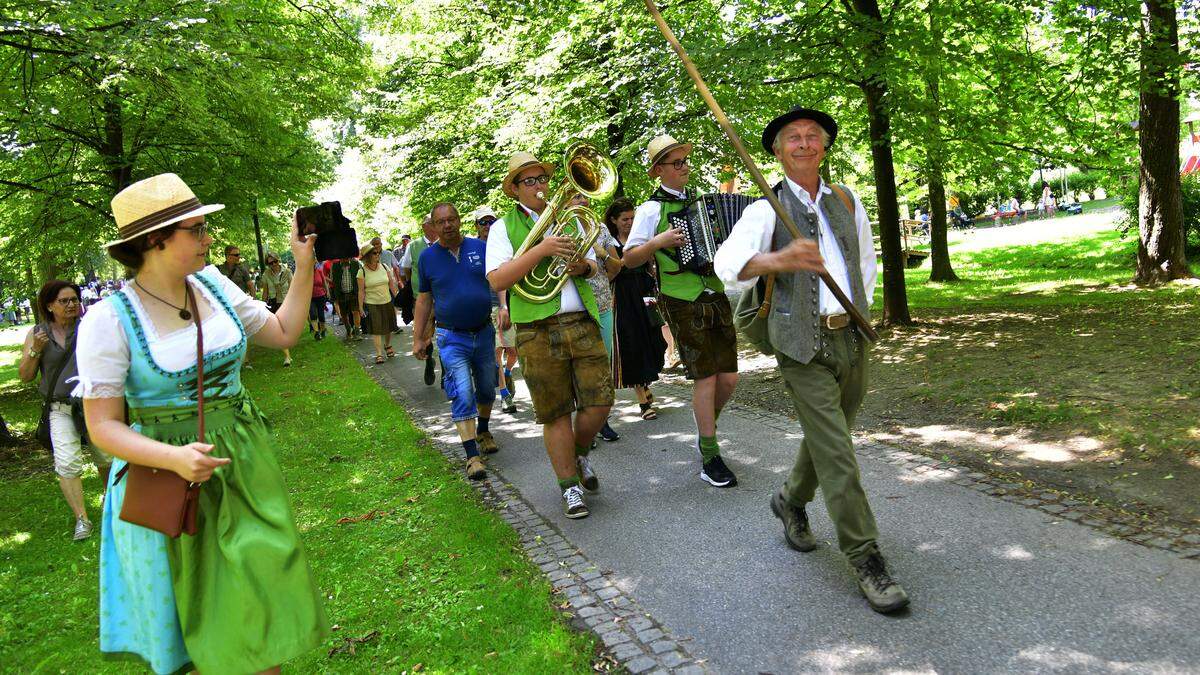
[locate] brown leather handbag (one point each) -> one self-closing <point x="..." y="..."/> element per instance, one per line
<point x="161" y="499"/>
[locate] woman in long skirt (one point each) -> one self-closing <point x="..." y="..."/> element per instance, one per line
<point x="238" y="596"/>
<point x="638" y="346"/>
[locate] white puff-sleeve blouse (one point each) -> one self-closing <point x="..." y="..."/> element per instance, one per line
<point x="103" y="349"/>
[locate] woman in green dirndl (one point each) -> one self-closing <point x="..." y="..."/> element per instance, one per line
<point x="238" y="596"/>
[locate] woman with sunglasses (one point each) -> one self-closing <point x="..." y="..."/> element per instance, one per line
<point x="277" y="278"/>
<point x="376" y="286"/>
<point x="50" y="350"/>
<point x="237" y="596"/>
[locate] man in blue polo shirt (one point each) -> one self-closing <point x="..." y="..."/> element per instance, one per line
<point x="451" y="283"/>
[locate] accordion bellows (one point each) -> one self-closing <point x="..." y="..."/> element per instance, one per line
<point x="706" y="222"/>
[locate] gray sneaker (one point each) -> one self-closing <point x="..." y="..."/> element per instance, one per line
<point x="83" y="529"/>
<point x="795" y="524"/>
<point x="877" y="585"/>
<point x="587" y="476"/>
<point x="509" y="406"/>
<point x="573" y="504"/>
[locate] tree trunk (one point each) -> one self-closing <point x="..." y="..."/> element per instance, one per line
<point x="874" y="88"/>
<point x="117" y="163"/>
<point x="1160" y="256"/>
<point x="939" y="250"/>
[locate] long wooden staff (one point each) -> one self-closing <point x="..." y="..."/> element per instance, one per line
<point x="861" y="321"/>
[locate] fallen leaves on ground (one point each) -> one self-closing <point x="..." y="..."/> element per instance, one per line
<point x="349" y="645"/>
<point x="369" y="515"/>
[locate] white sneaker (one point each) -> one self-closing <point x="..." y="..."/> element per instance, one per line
<point x="83" y="529"/>
<point x="573" y="504"/>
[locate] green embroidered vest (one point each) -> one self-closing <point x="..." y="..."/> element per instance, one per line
<point x="673" y="282"/>
<point x="415" y="247"/>
<point x="518" y="223"/>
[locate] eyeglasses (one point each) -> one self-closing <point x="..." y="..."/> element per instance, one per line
<point x="196" y="230"/>
<point x="484" y="222"/>
<point x="677" y="164"/>
<point x="534" y="180"/>
<point x="67" y="302"/>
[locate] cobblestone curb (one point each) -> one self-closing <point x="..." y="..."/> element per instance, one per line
<point x="587" y="595"/>
<point x="1061" y="506"/>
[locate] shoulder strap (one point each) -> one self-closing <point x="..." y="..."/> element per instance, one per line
<point x="841" y="193"/>
<point x="191" y="296"/>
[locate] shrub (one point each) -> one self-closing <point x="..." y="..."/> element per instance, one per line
<point x="1190" y="188"/>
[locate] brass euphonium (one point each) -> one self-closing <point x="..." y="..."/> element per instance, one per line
<point x="591" y="174"/>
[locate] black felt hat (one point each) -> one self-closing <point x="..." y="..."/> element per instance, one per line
<point x="798" y="113"/>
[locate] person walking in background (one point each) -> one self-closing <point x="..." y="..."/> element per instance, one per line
<point x="506" y="334"/>
<point x="392" y="265"/>
<point x="610" y="265"/>
<point x="375" y="287"/>
<point x="49" y="350"/>
<point x="237" y="272"/>
<point x="343" y="281"/>
<point x="316" y="308"/>
<point x="452" y="287"/>
<point x="409" y="269"/>
<point x="638" y="345"/>
<point x="237" y="596"/>
<point x="405" y="298"/>
<point x="277" y="279"/>
<point x="1048" y="206"/>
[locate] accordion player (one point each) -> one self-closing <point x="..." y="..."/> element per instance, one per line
<point x="706" y="222"/>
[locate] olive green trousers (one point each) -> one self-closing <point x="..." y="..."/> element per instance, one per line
<point x="827" y="392"/>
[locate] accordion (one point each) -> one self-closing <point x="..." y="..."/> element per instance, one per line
<point x="706" y="222"/>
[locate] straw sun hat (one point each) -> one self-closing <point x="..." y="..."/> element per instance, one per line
<point x="518" y="163"/>
<point x="154" y="203"/>
<point x="660" y="146"/>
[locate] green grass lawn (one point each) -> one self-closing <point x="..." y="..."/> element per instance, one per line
<point x="1047" y="336"/>
<point x="433" y="579"/>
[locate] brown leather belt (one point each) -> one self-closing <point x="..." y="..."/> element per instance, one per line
<point x="835" y="321"/>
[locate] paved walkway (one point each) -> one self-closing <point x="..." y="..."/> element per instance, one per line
<point x="996" y="586"/>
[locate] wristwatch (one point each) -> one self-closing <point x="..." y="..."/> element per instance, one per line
<point x="33" y="353"/>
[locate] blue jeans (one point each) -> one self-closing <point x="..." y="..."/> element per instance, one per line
<point x="469" y="366"/>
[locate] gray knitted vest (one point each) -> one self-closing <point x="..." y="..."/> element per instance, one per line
<point x="794" y="325"/>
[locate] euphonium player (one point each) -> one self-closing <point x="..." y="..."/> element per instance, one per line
<point x="694" y="305"/>
<point x="558" y="341"/>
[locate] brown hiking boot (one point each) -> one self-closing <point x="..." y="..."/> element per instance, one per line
<point x="487" y="444"/>
<point x="877" y="586"/>
<point x="795" y="524"/>
<point x="475" y="470"/>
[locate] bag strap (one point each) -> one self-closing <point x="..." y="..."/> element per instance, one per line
<point x="844" y="197"/>
<point x="191" y="295"/>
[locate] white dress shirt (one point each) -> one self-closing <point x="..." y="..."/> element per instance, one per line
<point x="754" y="230"/>
<point x="645" y="220"/>
<point x="406" y="261"/>
<point x="500" y="251"/>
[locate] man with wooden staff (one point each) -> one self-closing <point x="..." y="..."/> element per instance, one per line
<point x="558" y="341"/>
<point x="694" y="305"/>
<point x="821" y="353"/>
